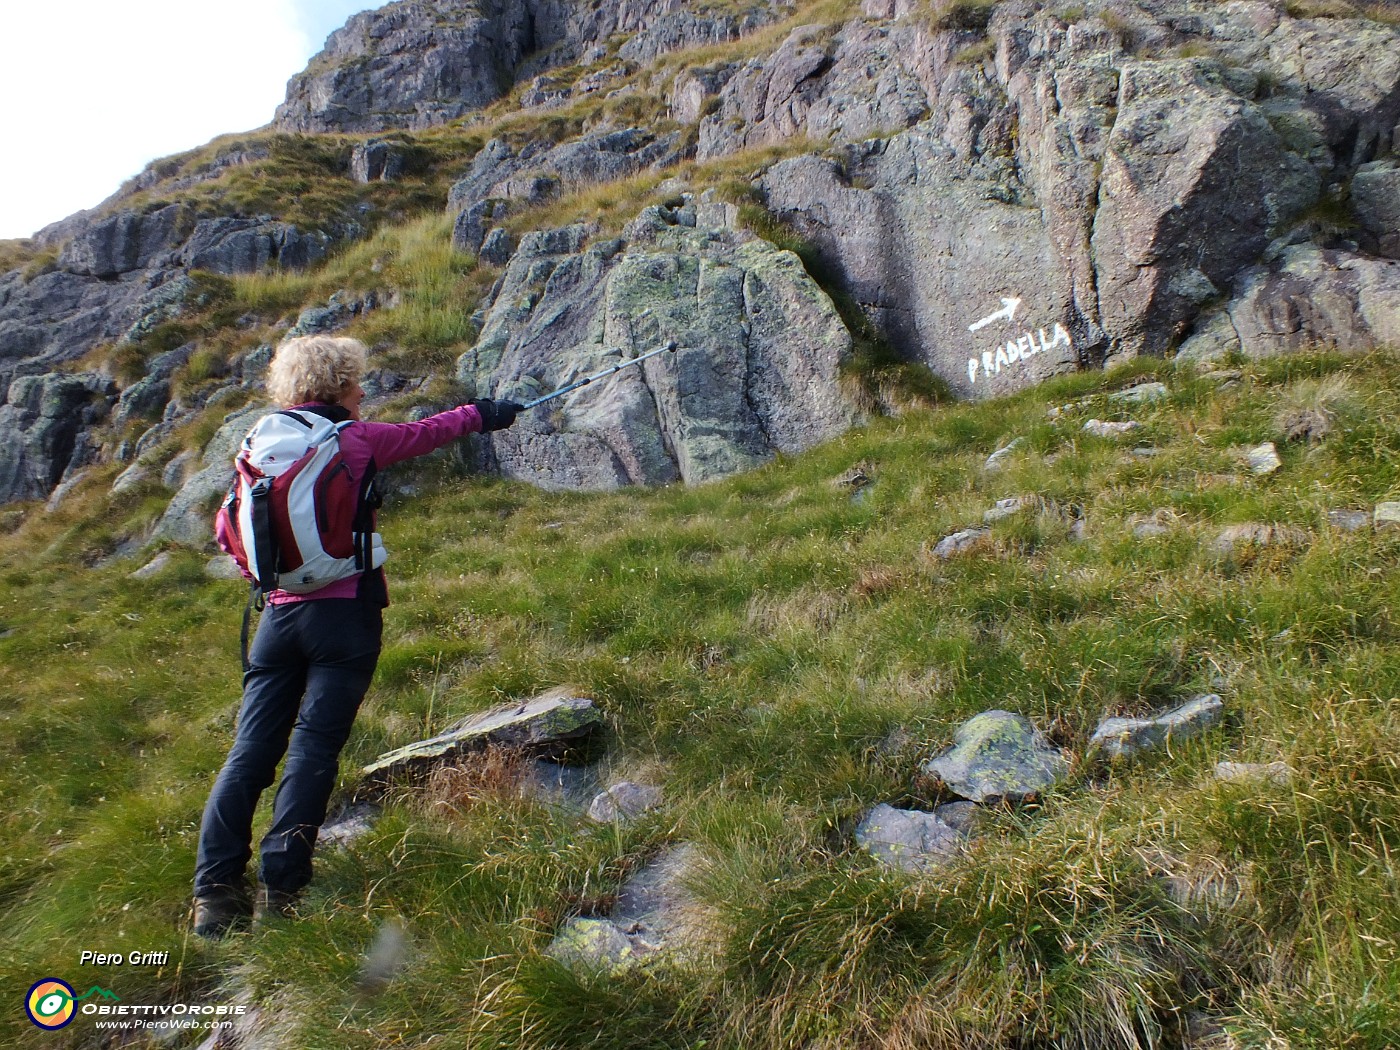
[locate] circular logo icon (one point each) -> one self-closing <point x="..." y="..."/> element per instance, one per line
<point x="50" y="1003"/>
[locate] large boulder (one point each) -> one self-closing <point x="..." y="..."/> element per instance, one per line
<point x="189" y="518"/>
<point x="232" y="246"/>
<point x="755" y="372"/>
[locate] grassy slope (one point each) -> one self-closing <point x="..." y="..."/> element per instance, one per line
<point x="753" y="643"/>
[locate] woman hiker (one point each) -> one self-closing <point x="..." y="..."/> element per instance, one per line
<point x="314" y="653"/>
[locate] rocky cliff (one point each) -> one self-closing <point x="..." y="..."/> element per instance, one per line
<point x="998" y="191"/>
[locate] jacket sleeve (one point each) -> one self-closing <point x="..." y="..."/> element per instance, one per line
<point x="390" y="443"/>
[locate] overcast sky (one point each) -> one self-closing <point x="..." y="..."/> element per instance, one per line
<point x="94" y="89"/>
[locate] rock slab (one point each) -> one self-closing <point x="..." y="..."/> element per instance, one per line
<point x="1125" y="737"/>
<point x="548" y="721"/>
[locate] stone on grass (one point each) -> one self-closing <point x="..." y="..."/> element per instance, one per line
<point x="911" y="840"/>
<point x="1257" y="534"/>
<point x="1263" y="459"/>
<point x="1126" y="737"/>
<point x="547" y="723"/>
<point x="1140" y="394"/>
<point x="1387" y="514"/>
<point x="348" y="825"/>
<point x="995" y="460"/>
<point x="998" y="755"/>
<point x="959" y="543"/>
<point x="1108" y="429"/>
<point x="222" y="567"/>
<point x="592" y="944"/>
<point x="1349" y="520"/>
<point x="1279" y="774"/>
<point x="624" y="801"/>
<point x="154" y="567"/>
<point x="1006" y="508"/>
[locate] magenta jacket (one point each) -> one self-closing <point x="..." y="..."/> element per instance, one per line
<point x="387" y="444"/>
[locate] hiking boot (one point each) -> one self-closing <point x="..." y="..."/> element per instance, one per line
<point x="273" y="904"/>
<point x="215" y="914"/>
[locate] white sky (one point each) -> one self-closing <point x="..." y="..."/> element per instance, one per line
<point x="95" y="89"/>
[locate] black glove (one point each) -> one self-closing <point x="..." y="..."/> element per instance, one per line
<point x="495" y="415"/>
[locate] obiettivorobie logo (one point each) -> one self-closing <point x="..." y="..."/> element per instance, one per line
<point x="51" y="1004"/>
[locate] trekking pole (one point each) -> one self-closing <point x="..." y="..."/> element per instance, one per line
<point x="670" y="346"/>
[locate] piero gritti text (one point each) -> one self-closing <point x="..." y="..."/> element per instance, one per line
<point x="129" y="959"/>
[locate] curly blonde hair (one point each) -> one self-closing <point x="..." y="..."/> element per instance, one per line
<point x="315" y="368"/>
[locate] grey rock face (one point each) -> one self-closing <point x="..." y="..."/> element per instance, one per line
<point x="413" y="65"/>
<point x="755" y="373"/>
<point x="1308" y="297"/>
<point x="1126" y="737"/>
<point x="43" y="421"/>
<point x="189" y="518"/>
<point x="910" y="840"/>
<point x="998" y="755"/>
<point x="248" y="245"/>
<point x="1134" y="192"/>
<point x="541" y="723"/>
<point x="123" y="243"/>
<point x="538" y="172"/>
<point x="378" y="160"/>
<point x="1375" y="198"/>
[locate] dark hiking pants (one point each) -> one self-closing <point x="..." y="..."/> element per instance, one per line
<point x="311" y="665"/>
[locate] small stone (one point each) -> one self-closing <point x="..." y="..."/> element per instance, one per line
<point x="1263" y="459"/>
<point x="1006" y="508"/>
<point x="1144" y="452"/>
<point x="154" y="567"/>
<point x="998" y="755"/>
<point x="1349" y="520"/>
<point x="997" y="459"/>
<point x="1107" y="429"/>
<point x="1387" y="514"/>
<point x="910" y="840"/>
<point x="348" y="826"/>
<point x="1224" y="375"/>
<point x="1279" y="774"/>
<point x="1147" y="530"/>
<point x="1140" y="394"/>
<point x="222" y="567"/>
<point x="959" y="543"/>
<point x="1257" y="534"/>
<point x="624" y="801"/>
<point x="1126" y="737"/>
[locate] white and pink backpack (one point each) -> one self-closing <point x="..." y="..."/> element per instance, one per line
<point x="294" y="520"/>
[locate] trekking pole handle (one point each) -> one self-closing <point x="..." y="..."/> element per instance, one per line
<point x="668" y="346"/>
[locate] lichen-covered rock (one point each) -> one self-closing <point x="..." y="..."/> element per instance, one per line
<point x="1278" y="774"/>
<point x="43" y="421"/>
<point x="656" y="919"/>
<point x="545" y="722"/>
<point x="1125" y="737"/>
<point x="910" y="840"/>
<point x="998" y="756"/>
<point x="755" y="372"/>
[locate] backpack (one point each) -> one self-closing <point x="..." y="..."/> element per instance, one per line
<point x="293" y="519"/>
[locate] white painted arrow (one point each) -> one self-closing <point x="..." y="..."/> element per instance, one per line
<point x="1008" y="310"/>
